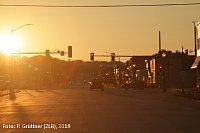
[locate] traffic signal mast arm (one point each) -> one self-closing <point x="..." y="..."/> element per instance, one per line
<point x="38" y="52"/>
<point x="115" y="55"/>
<point x="48" y="52"/>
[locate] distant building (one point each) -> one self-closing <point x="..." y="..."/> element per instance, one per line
<point x="173" y="71"/>
<point x="141" y="68"/>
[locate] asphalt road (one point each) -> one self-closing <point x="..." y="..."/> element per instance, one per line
<point x="114" y="110"/>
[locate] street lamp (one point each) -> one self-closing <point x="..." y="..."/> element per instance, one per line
<point x="30" y="77"/>
<point x="163" y="54"/>
<point x="164" y="87"/>
<point x="12" y="37"/>
<point x="18" y="29"/>
<point x="134" y="71"/>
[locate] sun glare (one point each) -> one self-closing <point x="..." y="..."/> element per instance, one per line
<point x="8" y="44"/>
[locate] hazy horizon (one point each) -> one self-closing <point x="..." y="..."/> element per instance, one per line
<point x="125" y="30"/>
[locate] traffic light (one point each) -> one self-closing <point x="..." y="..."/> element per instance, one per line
<point x="92" y="56"/>
<point x="70" y="51"/>
<point x="62" y="53"/>
<point x="47" y="53"/>
<point x="112" y="56"/>
<point x="186" y="51"/>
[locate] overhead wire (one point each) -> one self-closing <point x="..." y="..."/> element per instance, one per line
<point x="99" y="6"/>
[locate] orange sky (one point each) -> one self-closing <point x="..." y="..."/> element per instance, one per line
<point x="125" y="31"/>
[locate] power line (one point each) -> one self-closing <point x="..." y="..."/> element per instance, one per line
<point x="99" y="6"/>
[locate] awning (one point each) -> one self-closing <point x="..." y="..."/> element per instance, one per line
<point x="195" y="63"/>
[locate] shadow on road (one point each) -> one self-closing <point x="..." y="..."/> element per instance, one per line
<point x="12" y="94"/>
<point x="56" y="92"/>
<point x="40" y="91"/>
<point x="115" y="92"/>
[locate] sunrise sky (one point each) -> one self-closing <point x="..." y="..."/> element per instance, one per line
<point x="124" y="30"/>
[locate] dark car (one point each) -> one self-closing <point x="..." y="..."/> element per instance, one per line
<point x="138" y="84"/>
<point x="134" y="85"/>
<point x="96" y="84"/>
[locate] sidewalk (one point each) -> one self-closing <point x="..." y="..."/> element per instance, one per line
<point x="188" y="93"/>
<point x="4" y="92"/>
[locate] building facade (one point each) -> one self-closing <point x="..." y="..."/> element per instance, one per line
<point x="173" y="71"/>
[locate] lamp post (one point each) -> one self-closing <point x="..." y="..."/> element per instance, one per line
<point x="36" y="77"/>
<point x="30" y="77"/>
<point x="134" y="71"/>
<point x="19" y="28"/>
<point x="12" y="31"/>
<point x="163" y="56"/>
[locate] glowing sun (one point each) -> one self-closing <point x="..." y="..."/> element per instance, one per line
<point x="8" y="44"/>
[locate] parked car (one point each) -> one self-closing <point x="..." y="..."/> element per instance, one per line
<point x="134" y="85"/>
<point x="96" y="83"/>
<point x="138" y="84"/>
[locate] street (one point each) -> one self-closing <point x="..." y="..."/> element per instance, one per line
<point x="114" y="110"/>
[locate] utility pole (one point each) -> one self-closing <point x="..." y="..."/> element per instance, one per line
<point x="159" y="36"/>
<point x="195" y="39"/>
<point x="182" y="72"/>
<point x="159" y="59"/>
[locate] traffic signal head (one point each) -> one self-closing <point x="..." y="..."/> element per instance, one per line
<point x="62" y="53"/>
<point x="186" y="51"/>
<point x="70" y="51"/>
<point x="47" y="53"/>
<point x="112" y="56"/>
<point x="92" y="56"/>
